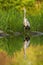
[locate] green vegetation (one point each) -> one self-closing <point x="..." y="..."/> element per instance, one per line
<point x="11" y="18"/>
<point x="11" y="45"/>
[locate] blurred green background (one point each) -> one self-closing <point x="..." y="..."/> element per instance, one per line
<point x="11" y="14"/>
<point x="11" y="18"/>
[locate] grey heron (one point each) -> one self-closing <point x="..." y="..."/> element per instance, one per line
<point x="26" y="22"/>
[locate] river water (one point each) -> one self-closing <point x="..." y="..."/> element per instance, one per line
<point x="12" y="44"/>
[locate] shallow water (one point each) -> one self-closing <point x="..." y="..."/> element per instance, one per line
<point x="15" y="43"/>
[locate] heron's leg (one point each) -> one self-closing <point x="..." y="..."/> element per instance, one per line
<point x="24" y="53"/>
<point x="24" y="49"/>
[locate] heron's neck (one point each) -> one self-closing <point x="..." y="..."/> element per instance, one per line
<point x="24" y="13"/>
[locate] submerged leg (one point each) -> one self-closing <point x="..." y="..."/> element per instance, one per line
<point x="24" y="52"/>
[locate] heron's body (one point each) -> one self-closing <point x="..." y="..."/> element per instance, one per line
<point x="26" y="22"/>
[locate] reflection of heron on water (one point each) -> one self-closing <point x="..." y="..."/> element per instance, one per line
<point x="26" y="44"/>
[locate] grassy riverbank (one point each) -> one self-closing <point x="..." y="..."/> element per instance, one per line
<point x="13" y="20"/>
